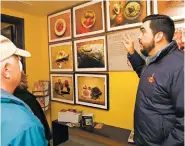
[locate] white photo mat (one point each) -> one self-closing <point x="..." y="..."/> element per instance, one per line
<point x="105" y="90"/>
<point x="126" y="26"/>
<point x="51" y="47"/>
<point x="52" y="88"/>
<point x="175" y="18"/>
<point x="82" y="6"/>
<point x="49" y="25"/>
<point x="88" y="40"/>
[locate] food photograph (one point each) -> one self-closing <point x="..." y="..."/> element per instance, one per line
<point x="89" y="18"/>
<point x="59" y="26"/>
<point x="124" y="14"/>
<point x="90" y="54"/>
<point x="174" y="9"/>
<point x="91" y="90"/>
<point x="61" y="57"/>
<point x="62" y="88"/>
<point x="179" y="35"/>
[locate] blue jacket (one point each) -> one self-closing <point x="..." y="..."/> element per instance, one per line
<point x="159" y="107"/>
<point x="19" y="127"/>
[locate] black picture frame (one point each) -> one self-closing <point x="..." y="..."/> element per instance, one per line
<point x="91" y="100"/>
<point x="8" y="32"/>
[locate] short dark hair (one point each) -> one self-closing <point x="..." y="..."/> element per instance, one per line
<point x="161" y="23"/>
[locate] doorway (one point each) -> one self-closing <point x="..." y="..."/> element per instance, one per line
<point x="13" y="28"/>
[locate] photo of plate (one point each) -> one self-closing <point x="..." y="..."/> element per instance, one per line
<point x="60" y="27"/>
<point x="88" y="19"/>
<point x="132" y="10"/>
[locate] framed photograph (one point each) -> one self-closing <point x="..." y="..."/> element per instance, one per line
<point x="126" y="14"/>
<point x="61" y="57"/>
<point x="44" y="102"/>
<point x="87" y="120"/>
<point x="179" y="34"/>
<point x="62" y="88"/>
<point x="117" y="53"/>
<point x="92" y="90"/>
<point x="41" y="88"/>
<point x="88" y="18"/>
<point x="172" y="8"/>
<point x="59" y="26"/>
<point x="90" y="54"/>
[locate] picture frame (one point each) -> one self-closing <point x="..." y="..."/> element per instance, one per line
<point x="59" y="26"/>
<point x="92" y="90"/>
<point x="88" y="18"/>
<point x="120" y="17"/>
<point x="44" y="102"/>
<point x="90" y="54"/>
<point x="117" y="52"/>
<point x="88" y="120"/>
<point x="62" y="88"/>
<point x="179" y="34"/>
<point x="174" y="9"/>
<point x="61" y="57"/>
<point x="41" y="88"/>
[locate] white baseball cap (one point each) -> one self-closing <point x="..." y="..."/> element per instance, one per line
<point x="7" y="49"/>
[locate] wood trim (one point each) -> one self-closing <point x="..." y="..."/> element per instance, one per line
<point x="19" y="32"/>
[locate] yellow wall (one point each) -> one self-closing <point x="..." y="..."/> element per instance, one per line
<point x="123" y="85"/>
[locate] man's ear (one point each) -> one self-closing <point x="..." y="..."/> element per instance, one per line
<point x="6" y="71"/>
<point x="159" y="37"/>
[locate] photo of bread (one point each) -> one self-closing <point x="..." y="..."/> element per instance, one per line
<point x="90" y="54"/>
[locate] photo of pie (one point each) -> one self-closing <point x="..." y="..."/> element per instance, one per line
<point x="61" y="57"/>
<point x="88" y="19"/>
<point x="132" y="10"/>
<point x="60" y="27"/>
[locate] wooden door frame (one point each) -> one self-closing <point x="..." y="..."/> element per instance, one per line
<point x="19" y="32"/>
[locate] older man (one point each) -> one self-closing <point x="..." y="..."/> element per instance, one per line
<point x="19" y="126"/>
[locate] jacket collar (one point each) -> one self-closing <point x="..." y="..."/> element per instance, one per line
<point x="167" y="50"/>
<point x="8" y="97"/>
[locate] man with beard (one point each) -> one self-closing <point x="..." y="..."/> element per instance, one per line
<point x="159" y="107"/>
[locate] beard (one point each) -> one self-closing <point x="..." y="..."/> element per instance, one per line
<point x="147" y="48"/>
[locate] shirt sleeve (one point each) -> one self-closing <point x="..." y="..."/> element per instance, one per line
<point x="33" y="136"/>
